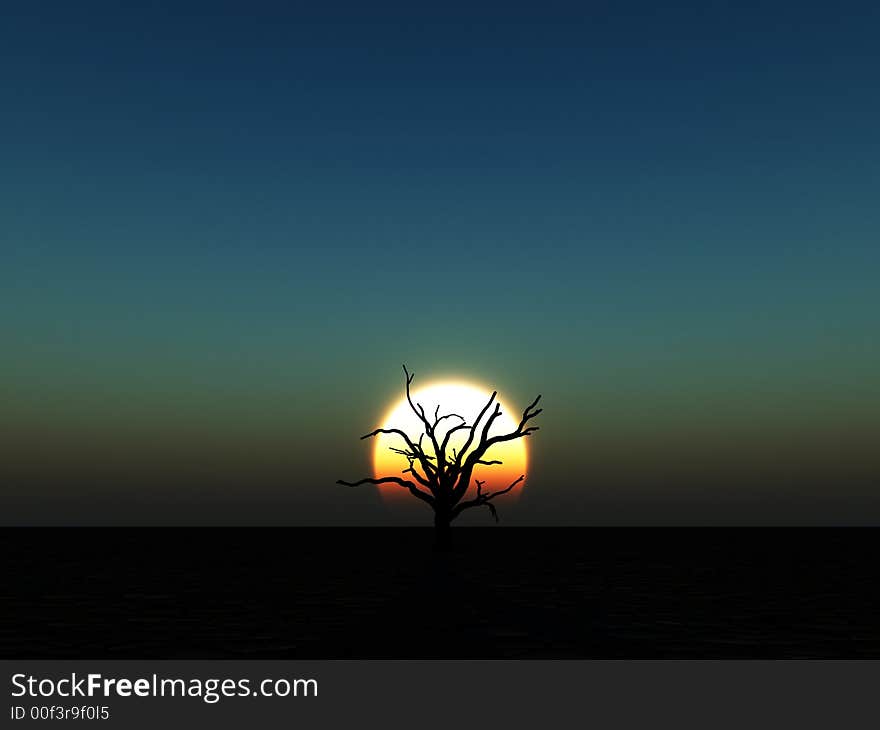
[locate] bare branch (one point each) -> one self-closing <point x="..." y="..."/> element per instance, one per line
<point x="390" y="431"/>
<point x="529" y="413"/>
<point x="408" y="485"/>
<point x="479" y="483"/>
<point x="448" y="435"/>
<point x="416" y="408"/>
<point x="423" y="458"/>
<point x="411" y="460"/>
<point x="492" y="495"/>
<point x="408" y="454"/>
<point x="470" y="438"/>
<point x="448" y="415"/>
<point x="521" y="430"/>
<point x="419" y="410"/>
<point x="485" y="498"/>
<point x="489" y="421"/>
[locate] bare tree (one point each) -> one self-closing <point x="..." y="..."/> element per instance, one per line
<point x="442" y="480"/>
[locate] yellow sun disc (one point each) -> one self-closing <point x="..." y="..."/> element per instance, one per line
<point x="464" y="400"/>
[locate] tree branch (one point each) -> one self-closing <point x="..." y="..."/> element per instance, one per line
<point x="413" y="489"/>
<point x="445" y="444"/>
<point x="411" y="459"/>
<point x="484" y="499"/>
<point x="423" y="458"/>
<point x="521" y="430"/>
<point x="420" y="412"/>
<point x="470" y="438"/>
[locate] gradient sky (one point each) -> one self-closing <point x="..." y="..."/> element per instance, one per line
<point x="224" y="226"/>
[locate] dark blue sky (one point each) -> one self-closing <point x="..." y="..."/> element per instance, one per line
<point x="220" y="219"/>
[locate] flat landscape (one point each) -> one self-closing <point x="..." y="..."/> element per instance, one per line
<point x="324" y="593"/>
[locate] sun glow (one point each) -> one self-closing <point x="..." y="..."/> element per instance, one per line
<point x="465" y="400"/>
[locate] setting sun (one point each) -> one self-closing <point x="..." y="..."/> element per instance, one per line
<point x="465" y="401"/>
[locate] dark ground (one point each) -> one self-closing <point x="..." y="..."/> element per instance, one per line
<point x="327" y="593"/>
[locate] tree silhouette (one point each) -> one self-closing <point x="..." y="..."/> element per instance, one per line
<point x="442" y="480"/>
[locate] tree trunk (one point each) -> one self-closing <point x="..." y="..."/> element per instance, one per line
<point x="442" y="531"/>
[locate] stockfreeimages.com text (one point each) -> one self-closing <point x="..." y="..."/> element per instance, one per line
<point x="209" y="690"/>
